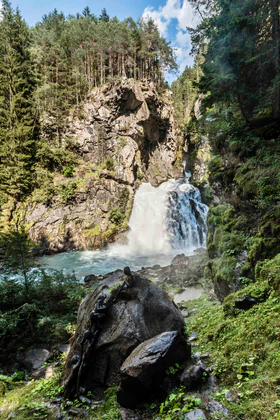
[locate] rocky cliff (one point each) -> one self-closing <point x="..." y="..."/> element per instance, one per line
<point x="123" y="135"/>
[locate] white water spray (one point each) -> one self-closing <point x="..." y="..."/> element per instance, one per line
<point x="167" y="219"/>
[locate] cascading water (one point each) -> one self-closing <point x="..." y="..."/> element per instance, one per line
<point x="165" y="221"/>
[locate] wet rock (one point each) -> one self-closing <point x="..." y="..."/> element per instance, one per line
<point x="36" y="358"/>
<point x="91" y="278"/>
<point x="195" y="415"/>
<point x="132" y="315"/>
<point x="193" y="376"/>
<point x="246" y="302"/>
<point x="145" y="369"/>
<point x="180" y="258"/>
<point x="185" y="313"/>
<point x="184" y="271"/>
<point x="129" y="415"/>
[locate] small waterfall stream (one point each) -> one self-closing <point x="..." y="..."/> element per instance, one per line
<point x="164" y="222"/>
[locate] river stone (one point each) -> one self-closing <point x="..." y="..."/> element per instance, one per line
<point x="195" y="415"/>
<point x="145" y="369"/>
<point x="136" y="314"/>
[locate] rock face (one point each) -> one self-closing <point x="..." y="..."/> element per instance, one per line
<point x="183" y="271"/>
<point x="124" y="134"/>
<point x="144" y="370"/>
<point x="110" y="326"/>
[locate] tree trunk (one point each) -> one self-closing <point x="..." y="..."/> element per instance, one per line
<point x="123" y="63"/>
<point x="276" y="52"/>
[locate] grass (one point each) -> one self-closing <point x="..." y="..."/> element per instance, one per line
<point x="244" y="349"/>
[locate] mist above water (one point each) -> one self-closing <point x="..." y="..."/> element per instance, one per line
<point x="165" y="221"/>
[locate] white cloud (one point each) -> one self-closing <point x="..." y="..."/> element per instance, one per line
<point x="173" y="9"/>
<point x="182" y="12"/>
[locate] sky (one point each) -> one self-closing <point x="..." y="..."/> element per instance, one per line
<point x="171" y="17"/>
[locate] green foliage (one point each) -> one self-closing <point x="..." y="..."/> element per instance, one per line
<point x="35" y="305"/>
<point x="7" y="383"/>
<point x="44" y="314"/>
<point x="269" y="271"/>
<point x="124" y="199"/>
<point x="109" y="164"/>
<point x="185" y="91"/>
<point x="140" y="175"/>
<point x="241" y="59"/>
<point x="17" y="114"/>
<point x="67" y="191"/>
<point x="176" y="403"/>
<point x="116" y="216"/>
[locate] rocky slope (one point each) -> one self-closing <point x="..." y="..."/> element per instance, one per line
<point x="123" y="135"/>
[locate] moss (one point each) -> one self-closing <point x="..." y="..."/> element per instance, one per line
<point x="122" y="141"/>
<point x="116" y="216"/>
<point x="261" y="247"/>
<point x="110" y="232"/>
<point x="216" y="167"/>
<point x="269" y="271"/>
<point x="92" y="232"/>
<point x="244" y="352"/>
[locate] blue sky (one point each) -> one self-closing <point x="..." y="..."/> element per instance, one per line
<point x="171" y="17"/>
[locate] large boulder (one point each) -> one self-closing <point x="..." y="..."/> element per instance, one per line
<point x="111" y="324"/>
<point x="145" y="369"/>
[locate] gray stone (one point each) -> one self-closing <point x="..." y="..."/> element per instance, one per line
<point x="75" y="411"/>
<point x="145" y="368"/>
<point x="192" y="377"/>
<point x="195" y="415"/>
<point x="215" y="407"/>
<point x="36" y="358"/>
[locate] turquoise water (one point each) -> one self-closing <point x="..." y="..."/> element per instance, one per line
<point x="100" y="262"/>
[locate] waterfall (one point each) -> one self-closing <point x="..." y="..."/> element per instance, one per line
<point x="168" y="218"/>
<point x="165" y="221"/>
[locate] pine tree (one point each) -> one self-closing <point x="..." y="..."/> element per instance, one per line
<point x="17" y="120"/>
<point x="104" y="16"/>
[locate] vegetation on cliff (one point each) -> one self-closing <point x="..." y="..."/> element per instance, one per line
<point x="238" y="43"/>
